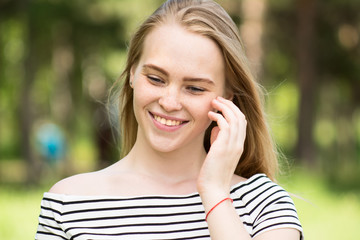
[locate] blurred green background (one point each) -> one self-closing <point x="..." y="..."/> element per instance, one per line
<point x="58" y="60"/>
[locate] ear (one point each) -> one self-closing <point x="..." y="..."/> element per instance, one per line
<point x="229" y="94"/>
<point x="131" y="79"/>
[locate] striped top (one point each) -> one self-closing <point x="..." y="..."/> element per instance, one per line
<point x="261" y="204"/>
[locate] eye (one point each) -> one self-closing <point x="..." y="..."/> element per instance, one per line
<point x="195" y="89"/>
<point x="155" y="80"/>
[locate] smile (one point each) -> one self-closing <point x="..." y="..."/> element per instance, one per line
<point x="167" y="122"/>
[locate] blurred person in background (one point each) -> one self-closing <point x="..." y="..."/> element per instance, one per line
<point x="197" y="161"/>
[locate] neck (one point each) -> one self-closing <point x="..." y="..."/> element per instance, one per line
<point x="177" y="166"/>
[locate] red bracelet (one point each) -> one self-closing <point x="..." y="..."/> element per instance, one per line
<point x="216" y="206"/>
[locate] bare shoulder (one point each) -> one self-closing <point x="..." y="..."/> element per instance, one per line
<point x="112" y="180"/>
<point x="80" y="184"/>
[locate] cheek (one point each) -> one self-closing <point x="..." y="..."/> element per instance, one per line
<point x="140" y="100"/>
<point x="143" y="93"/>
<point x="200" y="109"/>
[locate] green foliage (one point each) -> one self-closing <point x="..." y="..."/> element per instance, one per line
<point x="282" y="103"/>
<point x="75" y="50"/>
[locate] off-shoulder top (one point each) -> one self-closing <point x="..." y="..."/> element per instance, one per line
<point x="261" y="204"/>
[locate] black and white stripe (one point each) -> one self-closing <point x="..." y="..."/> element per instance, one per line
<point x="261" y="204"/>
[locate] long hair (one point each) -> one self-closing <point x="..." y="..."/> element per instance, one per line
<point x="209" y="19"/>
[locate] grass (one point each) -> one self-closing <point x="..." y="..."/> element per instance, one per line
<point x="19" y="211"/>
<point x="324" y="213"/>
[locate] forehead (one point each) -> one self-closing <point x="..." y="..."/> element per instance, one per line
<point x="177" y="49"/>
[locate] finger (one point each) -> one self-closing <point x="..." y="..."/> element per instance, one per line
<point x="235" y="109"/>
<point x="235" y="118"/>
<point x="219" y="119"/>
<point x="239" y="116"/>
<point x="226" y="111"/>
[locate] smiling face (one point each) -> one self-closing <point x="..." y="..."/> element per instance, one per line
<point x="178" y="75"/>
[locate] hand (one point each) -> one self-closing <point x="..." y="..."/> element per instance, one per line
<point x="227" y="144"/>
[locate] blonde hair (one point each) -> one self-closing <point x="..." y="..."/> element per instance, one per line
<point x="208" y="19"/>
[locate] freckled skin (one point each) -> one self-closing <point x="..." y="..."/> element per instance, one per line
<point x="182" y="55"/>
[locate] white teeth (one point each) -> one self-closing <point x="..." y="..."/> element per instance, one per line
<point x="167" y="122"/>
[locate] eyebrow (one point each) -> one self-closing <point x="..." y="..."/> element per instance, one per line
<point x="187" y="79"/>
<point x="156" y="68"/>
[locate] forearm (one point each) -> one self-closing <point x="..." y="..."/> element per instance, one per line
<point x="218" y="169"/>
<point x="223" y="221"/>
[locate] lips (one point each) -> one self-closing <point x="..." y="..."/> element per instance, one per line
<point x="167" y="121"/>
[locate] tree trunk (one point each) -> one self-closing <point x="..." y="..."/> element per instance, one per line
<point x="26" y="105"/>
<point x="306" y="11"/>
<point x="252" y="28"/>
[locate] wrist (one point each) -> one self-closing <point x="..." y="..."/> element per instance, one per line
<point x="212" y="197"/>
<point x="213" y="186"/>
<point x="216" y="205"/>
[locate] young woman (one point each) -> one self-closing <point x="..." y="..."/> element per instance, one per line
<point x="197" y="156"/>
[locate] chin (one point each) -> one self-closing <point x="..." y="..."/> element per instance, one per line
<point x="165" y="147"/>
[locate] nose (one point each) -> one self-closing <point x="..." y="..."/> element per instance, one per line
<point x="170" y="99"/>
